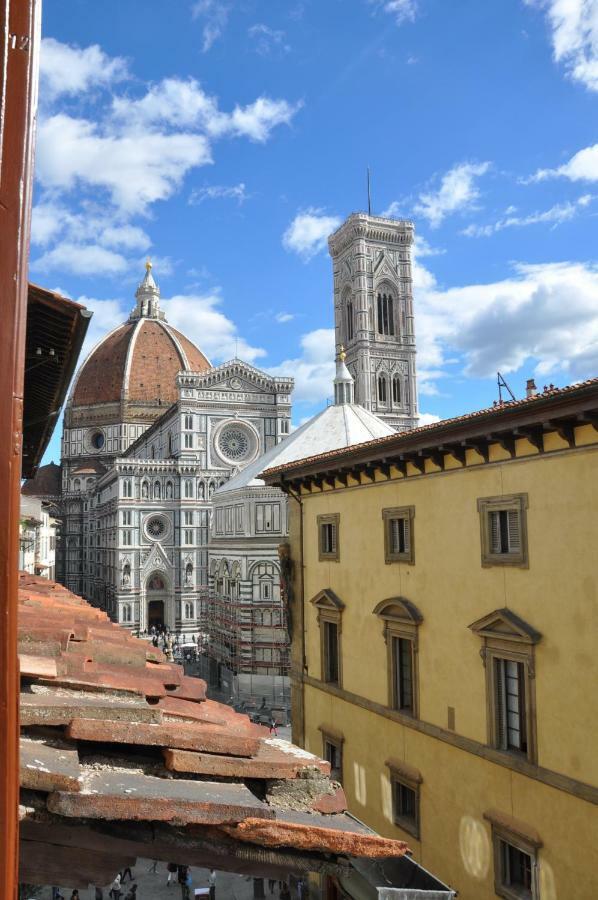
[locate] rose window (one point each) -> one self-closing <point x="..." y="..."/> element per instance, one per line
<point x="156" y="528"/>
<point x="234" y="443"/>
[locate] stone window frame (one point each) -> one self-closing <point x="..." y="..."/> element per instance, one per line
<point x="329" y="611"/>
<point x="401" y="619"/>
<point x="506" y="829"/>
<point x="334" y="520"/>
<point x="336" y="739"/>
<point x="401" y="773"/>
<point x="407" y="513"/>
<point x="506" y="636"/>
<point x="508" y="502"/>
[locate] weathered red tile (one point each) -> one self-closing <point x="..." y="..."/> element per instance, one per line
<point x="126" y="795"/>
<point x="47" y="768"/>
<point x="183" y="736"/>
<point x="315" y="837"/>
<point x="54" y="709"/>
<point x="330" y="804"/>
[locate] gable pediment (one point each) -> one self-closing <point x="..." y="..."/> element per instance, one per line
<point x="237" y="376"/>
<point x="506" y="625"/>
<point x="398" y="609"/>
<point x="327" y="599"/>
<point x="156" y="558"/>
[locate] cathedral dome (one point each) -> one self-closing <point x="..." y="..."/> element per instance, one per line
<point x="136" y="364"/>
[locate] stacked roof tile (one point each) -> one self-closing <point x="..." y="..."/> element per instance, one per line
<point x="120" y="749"/>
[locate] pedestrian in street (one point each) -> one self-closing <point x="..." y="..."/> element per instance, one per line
<point x="185" y="882"/>
<point x="115" y="891"/>
<point x="154" y="867"/>
<point x="172" y="869"/>
<point x="124" y="875"/>
<point x="285" y="893"/>
<point x="273" y="728"/>
<point x="212" y="884"/>
<point x="99" y="893"/>
<point x="56" y="895"/>
<point x="132" y="894"/>
<point x="75" y="895"/>
<point x="271" y="885"/>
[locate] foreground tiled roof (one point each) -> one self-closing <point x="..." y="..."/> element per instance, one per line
<point x="46" y="482"/>
<point x="436" y="431"/>
<point x="122" y="755"/>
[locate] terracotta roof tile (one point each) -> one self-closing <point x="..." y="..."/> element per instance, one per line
<point x="107" y="734"/>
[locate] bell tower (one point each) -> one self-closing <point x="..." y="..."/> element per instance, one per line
<point x="373" y="314"/>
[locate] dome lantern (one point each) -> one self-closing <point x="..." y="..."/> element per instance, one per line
<point x="148" y="297"/>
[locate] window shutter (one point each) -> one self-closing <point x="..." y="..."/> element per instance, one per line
<point x="406" y="535"/>
<point x="494" y="532"/>
<point x="395" y="541"/>
<point x="500" y="703"/>
<point x="514" y="525"/>
<point x="333" y="538"/>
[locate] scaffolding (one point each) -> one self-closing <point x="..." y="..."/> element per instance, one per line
<point x="245" y="648"/>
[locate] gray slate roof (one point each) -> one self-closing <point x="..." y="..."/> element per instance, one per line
<point x="331" y="429"/>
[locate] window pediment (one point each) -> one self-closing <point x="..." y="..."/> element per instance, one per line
<point x="400" y="610"/>
<point x="505" y="625"/>
<point x="327" y="600"/>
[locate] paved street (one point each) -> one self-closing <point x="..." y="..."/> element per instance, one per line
<point x="152" y="886"/>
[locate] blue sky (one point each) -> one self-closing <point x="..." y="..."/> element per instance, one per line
<point x="227" y="139"/>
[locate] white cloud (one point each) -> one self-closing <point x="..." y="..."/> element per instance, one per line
<point x="219" y="191"/>
<point x="268" y="40"/>
<point x="574" y="26"/>
<point x="83" y="239"/>
<point x="283" y="317"/>
<point x="544" y="317"/>
<point x="561" y="212"/>
<point x="402" y="10"/>
<point x="66" y="69"/>
<point x="215" y="16"/>
<point x="184" y="104"/>
<point x="81" y="259"/>
<point x="457" y="192"/>
<point x="308" y="232"/>
<point x="135" y="168"/>
<point x="257" y="120"/>
<point x="314" y="370"/>
<point x="198" y="317"/>
<point x="583" y="166"/>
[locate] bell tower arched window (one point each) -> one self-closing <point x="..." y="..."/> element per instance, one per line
<point x="396" y="389"/>
<point x="386" y="321"/>
<point x="350" y="320"/>
<point x="382" y="388"/>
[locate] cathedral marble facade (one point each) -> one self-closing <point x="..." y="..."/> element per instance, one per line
<point x="165" y="518"/>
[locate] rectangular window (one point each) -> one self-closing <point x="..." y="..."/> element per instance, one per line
<point x="510" y="705"/>
<point x="188" y="517"/>
<point x="270" y="427"/>
<point x="405" y="802"/>
<point x="402" y="674"/>
<point x="127" y="517"/>
<point x="238" y="518"/>
<point x="127" y="538"/>
<point x="219" y="520"/>
<point x="398" y="534"/>
<point x="189" y="423"/>
<point x="503" y="530"/>
<point x="515" y="871"/>
<point x="328" y="537"/>
<point x="333" y="753"/>
<point x="228" y="520"/>
<point x="331" y="655"/>
<point x="188" y="441"/>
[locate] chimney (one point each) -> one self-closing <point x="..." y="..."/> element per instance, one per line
<point x="530" y="388"/>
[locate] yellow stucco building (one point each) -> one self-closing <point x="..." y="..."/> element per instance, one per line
<point x="445" y="640"/>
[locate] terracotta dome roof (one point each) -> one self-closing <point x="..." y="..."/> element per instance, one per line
<point x="139" y="360"/>
<point x="45" y="484"/>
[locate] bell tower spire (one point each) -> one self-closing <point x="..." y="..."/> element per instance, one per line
<point x="148" y="297"/>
